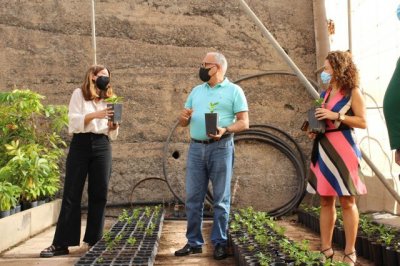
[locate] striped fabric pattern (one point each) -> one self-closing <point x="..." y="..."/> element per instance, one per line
<point x="336" y="171"/>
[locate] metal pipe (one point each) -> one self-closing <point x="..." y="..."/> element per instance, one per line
<point x="349" y="25"/>
<point x="94" y="33"/>
<point x="311" y="90"/>
<point x="280" y="51"/>
<point x="393" y="192"/>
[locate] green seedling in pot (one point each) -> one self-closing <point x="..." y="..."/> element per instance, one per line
<point x="114" y="99"/>
<point x="212" y="106"/>
<point x="131" y="241"/>
<point x="318" y="102"/>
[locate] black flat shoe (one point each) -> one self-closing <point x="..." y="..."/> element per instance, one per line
<point x="54" y="251"/>
<point x="220" y="252"/>
<point x="187" y="249"/>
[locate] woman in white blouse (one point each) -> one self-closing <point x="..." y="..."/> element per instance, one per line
<point x="89" y="155"/>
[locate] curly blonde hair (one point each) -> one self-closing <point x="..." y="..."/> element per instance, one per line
<point x="345" y="72"/>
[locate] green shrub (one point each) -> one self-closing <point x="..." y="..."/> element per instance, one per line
<point x="30" y="143"/>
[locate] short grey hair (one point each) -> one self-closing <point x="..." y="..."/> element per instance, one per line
<point x="221" y="60"/>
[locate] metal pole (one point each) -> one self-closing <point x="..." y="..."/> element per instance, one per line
<point x="349" y="25"/>
<point x="393" y="192"/>
<point x="311" y="90"/>
<point x="94" y="34"/>
<point x="281" y="52"/>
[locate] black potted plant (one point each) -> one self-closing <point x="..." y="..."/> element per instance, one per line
<point x="211" y="119"/>
<point x="115" y="103"/>
<point x="315" y="125"/>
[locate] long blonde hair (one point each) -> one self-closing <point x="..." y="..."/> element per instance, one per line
<point x="89" y="87"/>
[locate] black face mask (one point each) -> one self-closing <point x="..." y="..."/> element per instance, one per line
<point x="102" y="82"/>
<point x="203" y="74"/>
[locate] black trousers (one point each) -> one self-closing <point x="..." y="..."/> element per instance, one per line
<point x="89" y="155"/>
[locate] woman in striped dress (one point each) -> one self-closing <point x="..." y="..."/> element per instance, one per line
<point x="334" y="170"/>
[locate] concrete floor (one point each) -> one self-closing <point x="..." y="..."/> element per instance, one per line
<point x="27" y="253"/>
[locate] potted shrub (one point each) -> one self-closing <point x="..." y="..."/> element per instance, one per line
<point x="211" y="119"/>
<point x="8" y="197"/>
<point x="114" y="103"/>
<point x="29" y="153"/>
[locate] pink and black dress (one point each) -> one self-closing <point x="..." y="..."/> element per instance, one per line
<point x="335" y="159"/>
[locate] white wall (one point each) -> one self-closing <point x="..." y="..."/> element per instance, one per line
<point x="375" y="33"/>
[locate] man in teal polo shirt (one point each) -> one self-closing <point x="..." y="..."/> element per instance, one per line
<point x="210" y="157"/>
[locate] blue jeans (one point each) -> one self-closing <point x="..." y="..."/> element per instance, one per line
<point x="206" y="162"/>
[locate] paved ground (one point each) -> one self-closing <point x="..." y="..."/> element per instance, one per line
<point x="27" y="253"/>
<point x="173" y="238"/>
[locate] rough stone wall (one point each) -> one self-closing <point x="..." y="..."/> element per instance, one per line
<point x="154" y="49"/>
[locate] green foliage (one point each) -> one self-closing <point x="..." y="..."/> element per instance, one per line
<point x="318" y="102"/>
<point x="265" y="231"/>
<point x="114" y="99"/>
<point x="147" y="211"/>
<point x="30" y="144"/>
<point x="212" y="106"/>
<point x="131" y="241"/>
<point x="8" y="195"/>
<point x="124" y="216"/>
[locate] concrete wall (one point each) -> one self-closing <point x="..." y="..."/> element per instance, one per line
<point x="154" y="49"/>
<point x="27" y="223"/>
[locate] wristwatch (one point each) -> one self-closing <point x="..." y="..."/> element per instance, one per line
<point x="341" y="117"/>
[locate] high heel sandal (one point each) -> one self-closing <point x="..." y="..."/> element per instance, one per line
<point x="352" y="257"/>
<point x="330" y="257"/>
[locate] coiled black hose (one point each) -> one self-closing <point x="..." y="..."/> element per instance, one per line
<point x="295" y="156"/>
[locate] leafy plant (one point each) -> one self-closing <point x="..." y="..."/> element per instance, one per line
<point x="136" y="213"/>
<point x="318" y="102"/>
<point x="123" y="216"/>
<point x="212" y="106"/>
<point x="114" y="99"/>
<point x="29" y="154"/>
<point x="147" y="211"/>
<point x="131" y="241"/>
<point x="264" y="259"/>
<point x="8" y="195"/>
<point x="140" y="224"/>
<point x="107" y="236"/>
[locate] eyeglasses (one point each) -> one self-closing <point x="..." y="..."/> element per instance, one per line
<point x="208" y="64"/>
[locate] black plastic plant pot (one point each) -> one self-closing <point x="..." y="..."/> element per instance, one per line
<point x="117" y="117"/>
<point x="315" y="125"/>
<point x="4" y="213"/>
<point x="391" y="256"/>
<point x="211" y="123"/>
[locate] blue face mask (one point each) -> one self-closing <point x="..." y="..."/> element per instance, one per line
<point x="398" y="12"/>
<point x="325" y="77"/>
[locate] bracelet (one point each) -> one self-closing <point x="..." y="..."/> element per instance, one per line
<point x="338" y="117"/>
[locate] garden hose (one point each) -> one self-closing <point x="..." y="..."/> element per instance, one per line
<point x="296" y="157"/>
<point x="290" y="153"/>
